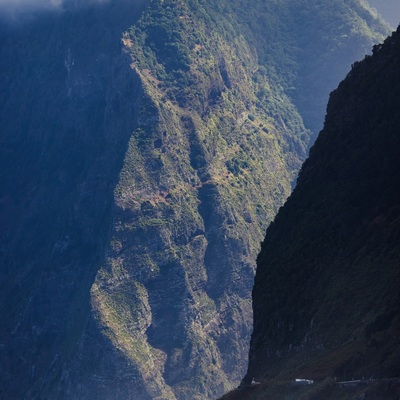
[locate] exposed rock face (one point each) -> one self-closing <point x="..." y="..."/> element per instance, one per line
<point x="136" y="182"/>
<point x="326" y="295"/>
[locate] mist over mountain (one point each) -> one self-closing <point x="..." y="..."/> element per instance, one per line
<point x="389" y="9"/>
<point x="145" y="148"/>
<point x="14" y="11"/>
<point x="29" y="3"/>
<point x="41" y="4"/>
<point x="22" y="11"/>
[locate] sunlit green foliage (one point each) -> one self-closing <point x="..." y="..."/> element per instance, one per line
<point x="218" y="145"/>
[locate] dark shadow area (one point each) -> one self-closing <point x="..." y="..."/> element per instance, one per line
<point x="67" y="108"/>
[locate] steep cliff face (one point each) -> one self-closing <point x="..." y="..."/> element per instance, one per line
<point x="205" y="171"/>
<point x="137" y="179"/>
<point x="188" y="204"/>
<point x="326" y="295"/>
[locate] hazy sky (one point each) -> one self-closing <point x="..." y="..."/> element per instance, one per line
<point x="43" y="3"/>
<point x="38" y="4"/>
<point x="15" y="7"/>
<point x="389" y="10"/>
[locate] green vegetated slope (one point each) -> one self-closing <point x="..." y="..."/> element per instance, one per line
<point x="217" y="147"/>
<point x="326" y="295"/>
<point x="206" y="164"/>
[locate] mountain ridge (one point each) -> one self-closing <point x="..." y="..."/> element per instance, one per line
<point x="147" y="176"/>
<point x="326" y="290"/>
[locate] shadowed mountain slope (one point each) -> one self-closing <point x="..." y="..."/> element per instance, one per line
<point x="139" y="171"/>
<point x="326" y="296"/>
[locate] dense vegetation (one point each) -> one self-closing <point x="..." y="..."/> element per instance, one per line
<point x="221" y="138"/>
<point x="326" y="296"/>
<point x="137" y="185"/>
